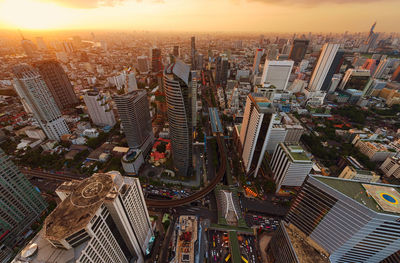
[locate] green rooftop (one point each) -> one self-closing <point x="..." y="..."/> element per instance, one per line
<point x="295" y="152"/>
<point x="356" y="191"/>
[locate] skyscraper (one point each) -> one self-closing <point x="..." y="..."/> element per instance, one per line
<point x="193" y="51"/>
<point x="334" y="69"/>
<point x="277" y="73"/>
<point x="381" y="69"/>
<point x="143" y="64"/>
<point x="368" y="214"/>
<point x="257" y="60"/>
<point x="58" y="83"/>
<point x="175" y="51"/>
<point x="134" y="112"/>
<point x="100" y="219"/>
<point x="99" y="109"/>
<point x="324" y="63"/>
<point x="221" y="71"/>
<point x="396" y="75"/>
<point x="355" y="79"/>
<point x="36" y="97"/>
<point x="178" y="96"/>
<point x="21" y="204"/>
<point x="256" y="126"/>
<point x="298" y="50"/>
<point x="372" y="38"/>
<point x="156" y="62"/>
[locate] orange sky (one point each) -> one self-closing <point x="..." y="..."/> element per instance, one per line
<point x="203" y="15"/>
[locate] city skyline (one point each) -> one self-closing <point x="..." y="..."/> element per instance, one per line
<point x="205" y="16"/>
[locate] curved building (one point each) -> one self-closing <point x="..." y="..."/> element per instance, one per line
<point x="178" y="95"/>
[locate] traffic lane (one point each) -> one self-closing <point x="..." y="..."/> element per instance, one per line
<point x="265" y="207"/>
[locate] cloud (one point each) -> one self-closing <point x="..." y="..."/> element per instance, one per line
<point x="313" y="2"/>
<point x="87" y="4"/>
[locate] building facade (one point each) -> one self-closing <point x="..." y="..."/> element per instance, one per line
<point x="277" y="73"/>
<point x="391" y="167"/>
<point x="100" y="110"/>
<point x="299" y="49"/>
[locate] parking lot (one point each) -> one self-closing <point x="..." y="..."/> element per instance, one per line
<point x="264" y="222"/>
<point x="248" y="249"/>
<point x="218" y="246"/>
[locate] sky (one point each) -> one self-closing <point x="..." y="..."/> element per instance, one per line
<point x="202" y="15"/>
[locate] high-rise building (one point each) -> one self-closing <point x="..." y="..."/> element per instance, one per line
<point x="257" y="60"/>
<point x="277" y="73"/>
<point x="290" y="165"/>
<point x="175" y="51"/>
<point x="193" y="51"/>
<point x="368" y="214"/>
<point x="134" y="112"/>
<point x="256" y="128"/>
<point x="382" y="68"/>
<point x="143" y="64"/>
<point x="194" y="82"/>
<point x="355" y="79"/>
<point x="21" y="204"/>
<point x="100" y="219"/>
<point x="178" y="96"/>
<point x="334" y="69"/>
<point x="58" y="83"/>
<point x="371" y="64"/>
<point x="37" y="99"/>
<point x="99" y="109"/>
<point x="299" y="50"/>
<point x="323" y="66"/>
<point x="221" y="70"/>
<point x="156" y="61"/>
<point x="372" y="38"/>
<point x="396" y="75"/>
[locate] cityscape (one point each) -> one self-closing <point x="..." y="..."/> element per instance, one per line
<point x="215" y="133"/>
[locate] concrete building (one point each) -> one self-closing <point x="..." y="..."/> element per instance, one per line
<point x="391" y="167"/>
<point x="290" y="165"/>
<point x="355" y="79"/>
<point x="132" y="161"/>
<point x="100" y="110"/>
<point x="21" y="205"/>
<point x="376" y="152"/>
<point x="178" y="97"/>
<point x="323" y="66"/>
<point x="221" y="70"/>
<point x="156" y="61"/>
<point x="187" y="239"/>
<point x="277" y="73"/>
<point x="255" y="130"/>
<point x="37" y="99"/>
<point x="348" y="220"/>
<point x="299" y="49"/>
<point x="100" y="219"/>
<point x="58" y="83"/>
<point x="143" y="64"/>
<point x="350" y="172"/>
<point x="134" y="112"/>
<point x="257" y="60"/>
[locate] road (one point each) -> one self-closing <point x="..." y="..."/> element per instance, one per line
<point x="59" y="176"/>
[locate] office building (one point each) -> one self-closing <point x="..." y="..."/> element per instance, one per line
<point x="21" y="205"/>
<point x="134" y="112"/>
<point x="371" y="64"/>
<point x="290" y="165"/>
<point x="176" y="52"/>
<point x="333" y="70"/>
<point x="323" y="66"/>
<point x="277" y="73"/>
<point x="391" y="166"/>
<point x="298" y="50"/>
<point x="382" y="68"/>
<point x="350" y="221"/>
<point x="221" y="70"/>
<point x="193" y="52"/>
<point x="257" y="61"/>
<point x="352" y="173"/>
<point x="37" y="99"/>
<point x="371" y="40"/>
<point x="178" y="96"/>
<point x="132" y="161"/>
<point x="355" y="79"/>
<point x="100" y="219"/>
<point x="195" y="80"/>
<point x="255" y="130"/>
<point x="99" y="108"/>
<point x="156" y="61"/>
<point x="143" y="64"/>
<point x="336" y="78"/>
<point x="58" y="83"/>
<point x="396" y="75"/>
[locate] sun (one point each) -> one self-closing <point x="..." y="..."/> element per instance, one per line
<point x="34" y="15"/>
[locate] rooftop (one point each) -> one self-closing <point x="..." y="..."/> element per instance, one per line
<point x="296" y="152"/>
<point x="381" y="198"/>
<point x="305" y="248"/>
<point x="76" y="211"/>
<point x="263" y="104"/>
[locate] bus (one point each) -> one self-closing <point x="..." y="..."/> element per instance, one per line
<point x="227" y="257"/>
<point x="244" y="260"/>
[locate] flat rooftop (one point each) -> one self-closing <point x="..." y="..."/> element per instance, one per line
<point x="76" y="211"/>
<point x="371" y="195"/>
<point x="263" y="104"/>
<point x="296" y="152"/>
<point x="305" y="248"/>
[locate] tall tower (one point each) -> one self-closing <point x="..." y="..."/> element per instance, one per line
<point x="257" y="60"/>
<point x="134" y="112"/>
<point x="21" y="204"/>
<point x="193" y="51"/>
<point x="255" y="132"/>
<point x="99" y="109"/>
<point x="372" y="38"/>
<point x="58" y="83"/>
<point x="299" y="49"/>
<point x="156" y="62"/>
<point x="221" y="71"/>
<point x="36" y="97"/>
<point x="277" y="73"/>
<point x="143" y="64"/>
<point x="178" y="96"/>
<point x="324" y="63"/>
<point x="100" y="219"/>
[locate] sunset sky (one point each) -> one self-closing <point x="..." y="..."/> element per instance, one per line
<point x="203" y="15"/>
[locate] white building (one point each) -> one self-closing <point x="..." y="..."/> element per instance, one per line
<point x="256" y="126"/>
<point x="290" y="165"/>
<point x="99" y="109"/>
<point x="391" y="167"/>
<point x="324" y="63"/>
<point x="100" y="219"/>
<point x="132" y="161"/>
<point x="37" y="99"/>
<point x="277" y="73"/>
